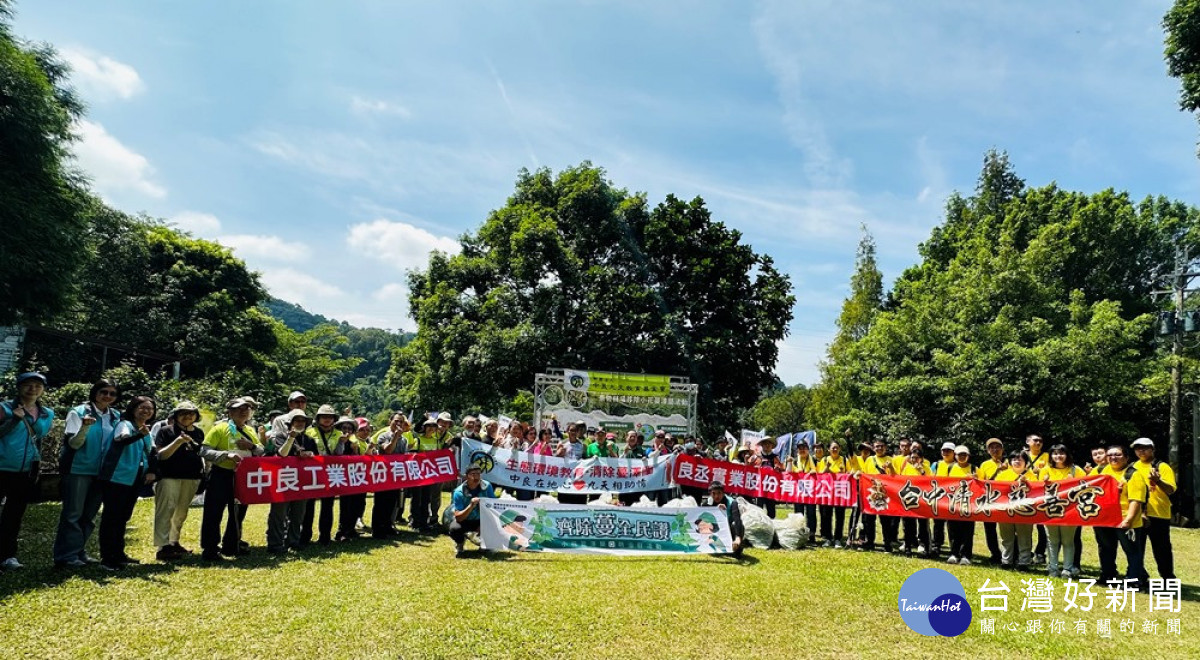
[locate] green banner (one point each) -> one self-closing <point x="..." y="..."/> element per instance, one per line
<point x="607" y="382"/>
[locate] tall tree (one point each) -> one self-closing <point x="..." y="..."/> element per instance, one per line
<point x="1182" y="27"/>
<point x="575" y="272"/>
<point x="41" y="217"/>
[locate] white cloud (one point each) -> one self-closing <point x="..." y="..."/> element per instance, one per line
<point x="266" y="248"/>
<point x="361" y="105"/>
<point x="100" y="77"/>
<point x="113" y="168"/>
<point x="301" y="288"/>
<point x="196" y="223"/>
<point x="399" y="244"/>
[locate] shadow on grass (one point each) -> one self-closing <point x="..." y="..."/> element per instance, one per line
<point x="39" y="575"/>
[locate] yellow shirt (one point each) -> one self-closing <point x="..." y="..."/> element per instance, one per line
<point x="326" y="442"/>
<point x="898" y="462"/>
<point x="958" y="471"/>
<point x="858" y="464"/>
<point x="804" y="465"/>
<point x="1136" y="489"/>
<point x="1037" y="463"/>
<point x="1009" y="474"/>
<point x="223" y="436"/>
<point x="1058" y="474"/>
<point x="943" y="469"/>
<point x="1160" y="503"/>
<point x="839" y="466"/>
<point x="908" y="469"/>
<point x="876" y="465"/>
<point x="988" y="470"/>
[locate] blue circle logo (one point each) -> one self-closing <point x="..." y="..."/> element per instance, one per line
<point x="933" y="602"/>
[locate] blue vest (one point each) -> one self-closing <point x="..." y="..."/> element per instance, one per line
<point x="18" y="449"/>
<point x="123" y="463"/>
<point x="86" y="460"/>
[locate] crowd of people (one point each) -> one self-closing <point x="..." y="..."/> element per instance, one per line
<point x="109" y="454"/>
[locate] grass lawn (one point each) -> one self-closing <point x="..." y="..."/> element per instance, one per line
<point x="412" y="599"/>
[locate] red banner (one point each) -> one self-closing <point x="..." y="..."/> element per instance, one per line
<point x="1092" y="501"/>
<point x="792" y="487"/>
<point x="274" y="479"/>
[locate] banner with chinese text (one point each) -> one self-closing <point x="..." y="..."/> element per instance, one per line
<point x="265" y="480"/>
<point x="616" y="384"/>
<point x="609" y="530"/>
<point x="835" y="489"/>
<point x="591" y="476"/>
<point x="1093" y="501"/>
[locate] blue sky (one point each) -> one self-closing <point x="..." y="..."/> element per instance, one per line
<point x="333" y="145"/>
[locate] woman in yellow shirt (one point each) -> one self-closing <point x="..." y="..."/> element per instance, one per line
<point x="1062" y="537"/>
<point x="834" y="463"/>
<point x="1016" y="539"/>
<point x="962" y="532"/>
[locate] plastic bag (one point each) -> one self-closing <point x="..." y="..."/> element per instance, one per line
<point x="448" y="516"/>
<point x="644" y="503"/>
<point x="546" y="499"/>
<point x="681" y="503"/>
<point x="605" y="499"/>
<point x="504" y="495"/>
<point x="760" y="532"/>
<point x="791" y="532"/>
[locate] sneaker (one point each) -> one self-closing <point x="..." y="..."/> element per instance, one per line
<point x="903" y="547"/>
<point x="1076" y="573"/>
<point x="111" y="567"/>
<point x="920" y="550"/>
<point x="73" y="563"/>
<point x="837" y="545"/>
<point x="11" y="564"/>
<point x="952" y="560"/>
<point x="129" y="561"/>
<point x="458" y="551"/>
<point x="180" y="549"/>
<point x="827" y="544"/>
<point x="209" y="555"/>
<point x="1039" y="559"/>
<point x="965" y="561"/>
<point x="88" y="559"/>
<point x="166" y="553"/>
<point x="473" y="537"/>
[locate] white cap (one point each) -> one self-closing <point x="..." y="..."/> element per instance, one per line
<point x="948" y="445"/>
<point x="962" y="449"/>
<point x="1143" y="442"/>
<point x="296" y="395"/>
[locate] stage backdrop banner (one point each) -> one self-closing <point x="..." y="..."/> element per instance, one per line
<point x="1092" y="501"/>
<point x="606" y="530"/>
<point x="591" y="476"/>
<point x="835" y="489"/>
<point x="273" y="479"/>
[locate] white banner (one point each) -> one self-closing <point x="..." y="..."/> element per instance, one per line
<point x="609" y="530"/>
<point x="591" y="476"/>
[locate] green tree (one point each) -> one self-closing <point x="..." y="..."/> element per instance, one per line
<point x="1182" y="27"/>
<point x="575" y="272"/>
<point x="1031" y="311"/>
<point x="781" y="411"/>
<point x="41" y="216"/>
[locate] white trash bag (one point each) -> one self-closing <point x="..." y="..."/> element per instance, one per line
<point x="760" y="531"/>
<point x="546" y="499"/>
<point x="681" y="503"/>
<point x="644" y="503"/>
<point x="791" y="532"/>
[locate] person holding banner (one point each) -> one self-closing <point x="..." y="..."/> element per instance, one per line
<point x="802" y="463"/>
<point x="1016" y="540"/>
<point x="733" y="514"/>
<point x="916" y="530"/>
<point x="603" y="447"/>
<point x="766" y="458"/>
<point x="834" y="463"/>
<point x="24" y="423"/>
<point x="424" y="505"/>
<point x="1038" y="460"/>
<point x="880" y="463"/>
<point x="351" y="442"/>
<point x="465" y="504"/>
<point x="1062" y="537"/>
<point x="941" y="468"/>
<point x="226" y="443"/>
<point x="1135" y="492"/>
<point x="326" y="438"/>
<point x="285" y="522"/>
<point x="962" y="532"/>
<point x="392" y="441"/>
<point x="988" y="471"/>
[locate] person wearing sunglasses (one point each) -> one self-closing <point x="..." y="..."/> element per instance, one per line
<point x="86" y="438"/>
<point x="1135" y="491"/>
<point x="24" y="422"/>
